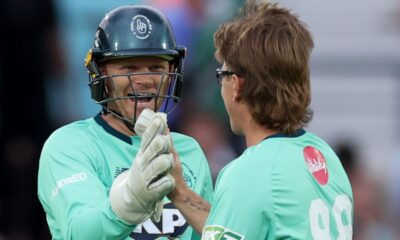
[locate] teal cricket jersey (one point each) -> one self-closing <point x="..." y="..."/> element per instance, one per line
<point x="77" y="167"/>
<point x="282" y="188"/>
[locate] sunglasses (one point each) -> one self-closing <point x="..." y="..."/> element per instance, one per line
<point x="219" y="73"/>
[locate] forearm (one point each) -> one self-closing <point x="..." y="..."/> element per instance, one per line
<point x="193" y="207"/>
<point x="98" y="222"/>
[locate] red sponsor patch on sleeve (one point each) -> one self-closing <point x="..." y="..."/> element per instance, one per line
<point x="316" y="164"/>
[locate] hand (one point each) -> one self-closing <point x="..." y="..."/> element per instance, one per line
<point x="192" y="206"/>
<point x="141" y="124"/>
<point x="177" y="174"/>
<point x="136" y="194"/>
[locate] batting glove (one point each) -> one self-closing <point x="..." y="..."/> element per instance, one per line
<point x="137" y="193"/>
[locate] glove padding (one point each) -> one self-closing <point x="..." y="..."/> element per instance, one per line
<point x="137" y="194"/>
<point x="141" y="124"/>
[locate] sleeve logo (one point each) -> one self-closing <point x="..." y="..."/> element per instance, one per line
<point x="215" y="232"/>
<point x="316" y="163"/>
<point x="66" y="181"/>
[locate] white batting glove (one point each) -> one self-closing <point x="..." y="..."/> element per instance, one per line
<point x="136" y="194"/>
<point x="141" y="124"/>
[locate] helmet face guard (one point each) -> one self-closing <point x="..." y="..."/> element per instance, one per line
<point x="164" y="98"/>
<point x="135" y="31"/>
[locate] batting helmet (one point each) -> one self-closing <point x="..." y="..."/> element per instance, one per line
<point x="131" y="31"/>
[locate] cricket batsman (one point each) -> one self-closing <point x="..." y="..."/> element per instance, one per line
<point x="106" y="177"/>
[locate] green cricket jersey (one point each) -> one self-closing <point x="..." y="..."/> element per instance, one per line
<point x="77" y="167"/>
<point x="282" y="188"/>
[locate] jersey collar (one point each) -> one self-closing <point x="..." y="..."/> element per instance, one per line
<point x="111" y="130"/>
<point x="299" y="132"/>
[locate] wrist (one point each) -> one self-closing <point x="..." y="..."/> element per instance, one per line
<point x="179" y="193"/>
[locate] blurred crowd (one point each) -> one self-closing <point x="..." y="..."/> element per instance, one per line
<point x="43" y="86"/>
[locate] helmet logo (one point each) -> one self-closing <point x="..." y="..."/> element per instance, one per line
<point x="141" y="26"/>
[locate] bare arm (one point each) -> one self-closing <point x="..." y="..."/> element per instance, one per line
<point x="193" y="207"/>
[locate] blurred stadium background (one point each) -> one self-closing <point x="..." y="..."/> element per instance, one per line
<point x="355" y="85"/>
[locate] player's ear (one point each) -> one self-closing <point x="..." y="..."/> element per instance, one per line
<point x="238" y="85"/>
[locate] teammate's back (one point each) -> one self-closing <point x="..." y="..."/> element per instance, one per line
<point x="298" y="182"/>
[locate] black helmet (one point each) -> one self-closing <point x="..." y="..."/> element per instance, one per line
<point x="129" y="31"/>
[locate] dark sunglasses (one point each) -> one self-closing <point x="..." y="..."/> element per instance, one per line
<point x="219" y="73"/>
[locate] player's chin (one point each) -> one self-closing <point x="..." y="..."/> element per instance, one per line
<point x="235" y="128"/>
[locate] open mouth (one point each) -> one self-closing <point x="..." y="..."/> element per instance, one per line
<point x="141" y="97"/>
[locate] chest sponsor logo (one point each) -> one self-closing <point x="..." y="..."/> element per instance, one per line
<point x="316" y="164"/>
<point x="215" y="232"/>
<point x="172" y="225"/>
